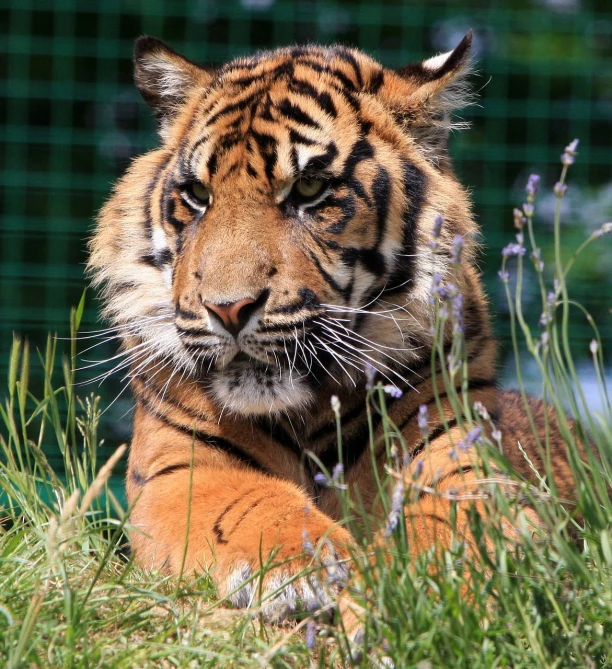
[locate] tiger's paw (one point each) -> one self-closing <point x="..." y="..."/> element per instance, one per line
<point x="288" y="585"/>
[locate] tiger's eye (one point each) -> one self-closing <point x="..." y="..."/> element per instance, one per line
<point x="309" y="187"/>
<point x="199" y="192"/>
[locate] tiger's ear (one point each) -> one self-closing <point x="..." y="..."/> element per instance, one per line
<point x="164" y="78"/>
<point x="429" y="92"/>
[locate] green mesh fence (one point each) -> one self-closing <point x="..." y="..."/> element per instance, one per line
<point x="72" y="120"/>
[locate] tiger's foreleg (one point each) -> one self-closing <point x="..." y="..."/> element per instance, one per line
<point x="237" y="522"/>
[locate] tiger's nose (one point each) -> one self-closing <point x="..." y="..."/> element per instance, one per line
<point x="233" y="315"/>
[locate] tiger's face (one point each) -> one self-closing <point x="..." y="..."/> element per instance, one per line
<point x="277" y="242"/>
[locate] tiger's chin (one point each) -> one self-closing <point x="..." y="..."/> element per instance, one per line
<point x="251" y="389"/>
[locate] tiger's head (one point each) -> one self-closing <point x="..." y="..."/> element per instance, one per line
<point x="277" y="241"/>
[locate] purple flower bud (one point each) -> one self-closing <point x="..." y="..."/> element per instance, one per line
<point x="481" y="410"/>
<point x="435" y="288"/>
<point x="569" y="155"/>
<point x="519" y="219"/>
<point x="537" y="260"/>
<point x="528" y="209"/>
<point x="605" y="229"/>
<point x="336" y="481"/>
<point x="437" y="226"/>
<point x="418" y="469"/>
<point x="474" y="436"/>
<point x="311" y="635"/>
<point x="458" y="323"/>
<point x="572" y="147"/>
<point x="456" y="248"/>
<point x="370" y="374"/>
<point x="503" y="275"/>
<point x="397" y="507"/>
<point x="452" y="454"/>
<point x="532" y="185"/>
<point x="513" y="250"/>
<point x="547" y="314"/>
<point x="393" y="391"/>
<point x="322" y="479"/>
<point x="560" y="189"/>
<point x="423" y="420"/>
<point x="435" y="233"/>
<point x="497" y="435"/>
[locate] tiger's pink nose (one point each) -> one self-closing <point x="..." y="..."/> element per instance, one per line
<point x="234" y="315"/>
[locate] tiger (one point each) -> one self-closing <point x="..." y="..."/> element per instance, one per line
<point x="261" y="265"/>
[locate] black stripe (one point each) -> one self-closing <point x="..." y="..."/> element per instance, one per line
<point x="346" y="55"/>
<point x="217" y="525"/>
<point x="295" y="113"/>
<point x="362" y="150"/>
<point x="297" y="138"/>
<point x="345" y="292"/>
<point x="434" y="434"/>
<point x="241" y="105"/>
<point x="150" y="192"/>
<point x="323" y="161"/>
<point x="267" y="149"/>
<point x="321" y="98"/>
<point x="204" y="438"/>
<point x="347" y="84"/>
<point x="415" y="184"/>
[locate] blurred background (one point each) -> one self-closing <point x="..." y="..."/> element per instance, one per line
<point x="72" y="120"/>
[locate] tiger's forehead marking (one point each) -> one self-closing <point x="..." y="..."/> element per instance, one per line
<point x="293" y="102"/>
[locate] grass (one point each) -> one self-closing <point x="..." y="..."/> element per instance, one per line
<point x="71" y="596"/>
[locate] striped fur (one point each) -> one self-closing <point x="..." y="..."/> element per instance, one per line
<point x="225" y="421"/>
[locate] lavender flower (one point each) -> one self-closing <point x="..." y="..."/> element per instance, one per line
<point x="423" y="421"/>
<point x="560" y="189"/>
<point x="456" y="249"/>
<point x="311" y="635"/>
<point x="537" y="260"/>
<point x="458" y="322"/>
<point x="528" y="209"/>
<point x="605" y="229"/>
<point x="497" y="435"/>
<point x="569" y="154"/>
<point x="435" y="288"/>
<point x="418" y="469"/>
<point x="370" y="374"/>
<point x="335" y="481"/>
<point x="474" y="436"/>
<point x="435" y="233"/>
<point x="547" y="314"/>
<point x="322" y="479"/>
<point x="393" y="391"/>
<point x="397" y="507"/>
<point x="454" y="363"/>
<point x="544" y="339"/>
<point x="481" y="410"/>
<point x="519" y="219"/>
<point x="503" y="275"/>
<point x="532" y="185"/>
<point x="452" y="454"/>
<point x="513" y="249"/>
